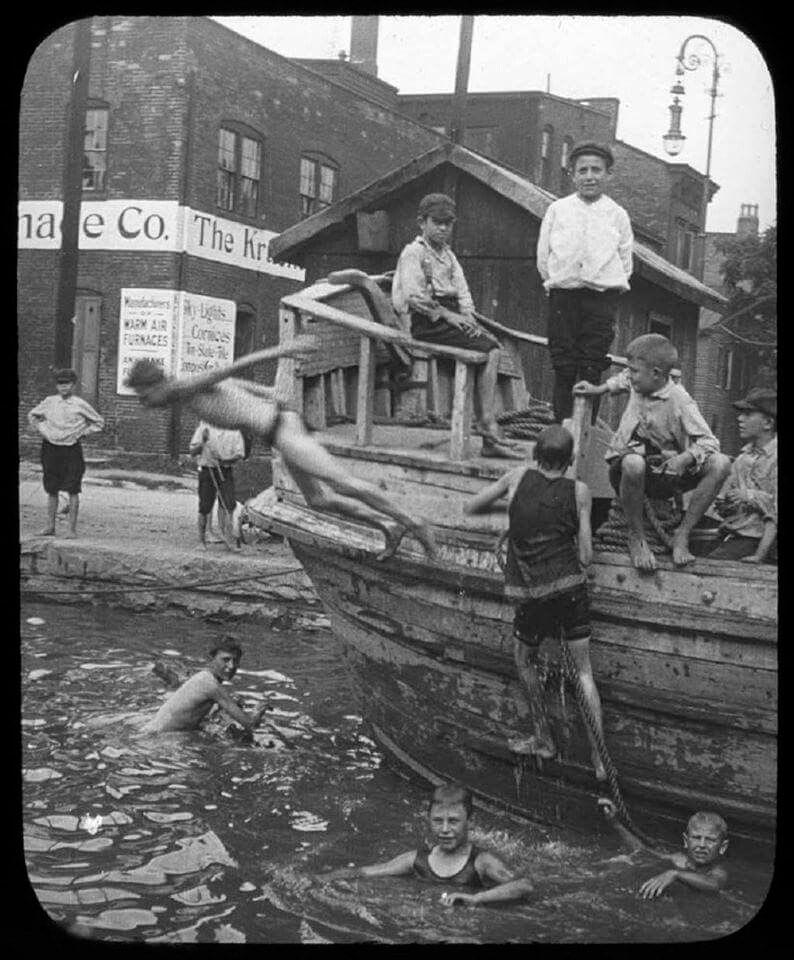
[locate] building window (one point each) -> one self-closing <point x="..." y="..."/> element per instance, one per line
<point x="685" y="244"/>
<point x="566" y="184"/>
<point x="545" y="157"/>
<point x="95" y="148"/>
<point x="319" y="182"/>
<point x="239" y="172"/>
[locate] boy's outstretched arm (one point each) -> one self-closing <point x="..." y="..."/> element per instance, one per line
<point x="399" y="866"/>
<point x="481" y="501"/>
<point x="631" y="840"/>
<point x="709" y="882"/>
<point x="230" y="707"/>
<point x="507" y="885"/>
<point x="584" y="501"/>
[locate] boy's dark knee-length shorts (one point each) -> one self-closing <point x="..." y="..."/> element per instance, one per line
<point x="565" y="615"/>
<point x="580" y="330"/>
<point x="439" y="331"/>
<point x="215" y="482"/>
<point x="658" y="485"/>
<point x="62" y="467"/>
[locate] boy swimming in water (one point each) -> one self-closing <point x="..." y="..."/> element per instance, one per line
<point x="453" y="860"/>
<point x="227" y="402"/>
<point x="705" y="841"/>
<point x="190" y="704"/>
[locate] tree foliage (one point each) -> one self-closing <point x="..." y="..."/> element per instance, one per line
<point x="750" y="272"/>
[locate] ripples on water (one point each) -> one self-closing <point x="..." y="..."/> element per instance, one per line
<point x="183" y="837"/>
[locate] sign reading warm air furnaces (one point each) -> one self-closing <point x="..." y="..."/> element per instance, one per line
<point x="184" y="333"/>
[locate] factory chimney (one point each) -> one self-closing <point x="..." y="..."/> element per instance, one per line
<point x="364" y="44"/>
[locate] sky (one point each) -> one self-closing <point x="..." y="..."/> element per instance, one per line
<point x="631" y="58"/>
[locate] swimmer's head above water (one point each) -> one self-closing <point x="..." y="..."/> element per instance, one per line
<point x="224" y="658"/>
<point x="449" y="814"/>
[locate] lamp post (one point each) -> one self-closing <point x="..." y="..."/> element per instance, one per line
<point x="674" y="140"/>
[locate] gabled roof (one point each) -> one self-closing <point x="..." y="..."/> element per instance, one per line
<point x="509" y="184"/>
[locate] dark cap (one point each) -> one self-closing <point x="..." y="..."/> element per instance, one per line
<point x="437" y="205"/>
<point x="759" y="398"/>
<point x="65" y="375"/>
<point x="591" y="147"/>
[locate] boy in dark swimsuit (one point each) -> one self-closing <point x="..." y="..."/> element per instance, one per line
<point x="549" y="547"/>
<point x="224" y="401"/>
<point x="454" y="860"/>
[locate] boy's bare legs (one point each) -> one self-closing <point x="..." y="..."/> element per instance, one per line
<point x="303" y="454"/>
<point x="52" y="511"/>
<point x="717" y="468"/>
<point x="74" y="507"/>
<point x="540" y="743"/>
<point x="632" y="497"/>
<point x="580" y="649"/>
<point x="202" y="529"/>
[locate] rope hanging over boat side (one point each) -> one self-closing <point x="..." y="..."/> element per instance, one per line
<point x="528" y="423"/>
<point x="662" y="518"/>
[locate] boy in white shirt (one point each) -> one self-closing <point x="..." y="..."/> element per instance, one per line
<point x="584" y="256"/>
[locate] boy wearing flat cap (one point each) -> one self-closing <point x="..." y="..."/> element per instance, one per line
<point x="585" y="259"/>
<point x="430" y="294"/>
<point x="747" y="503"/>
<point x="62" y="419"/>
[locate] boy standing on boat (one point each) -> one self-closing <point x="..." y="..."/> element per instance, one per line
<point x="431" y="296"/>
<point x="453" y="861"/>
<point x="662" y="446"/>
<point x="584" y="257"/>
<point x="747" y="504"/>
<point x="698" y="867"/>
<point x="62" y="419"/>
<point x="549" y="547"/>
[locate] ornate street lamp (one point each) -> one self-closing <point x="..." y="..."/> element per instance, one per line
<point x="673" y="140"/>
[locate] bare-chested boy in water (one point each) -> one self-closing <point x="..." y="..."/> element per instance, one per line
<point x="190" y="704"/>
<point x="225" y="401"/>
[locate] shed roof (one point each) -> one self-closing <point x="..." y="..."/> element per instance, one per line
<point x="509" y="184"/>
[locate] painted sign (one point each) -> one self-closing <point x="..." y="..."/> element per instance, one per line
<point x="155" y="225"/>
<point x="206" y="333"/>
<point x="146" y="330"/>
<point x="184" y="333"/>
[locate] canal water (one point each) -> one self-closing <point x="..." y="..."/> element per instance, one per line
<point x="191" y="838"/>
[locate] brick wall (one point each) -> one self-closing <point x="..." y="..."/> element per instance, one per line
<point x="169" y="83"/>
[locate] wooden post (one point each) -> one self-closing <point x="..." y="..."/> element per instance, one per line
<point x="366" y="391"/>
<point x="433" y="404"/>
<point x="458" y="107"/>
<point x="579" y="425"/>
<point x="285" y="384"/>
<point x="462" y="400"/>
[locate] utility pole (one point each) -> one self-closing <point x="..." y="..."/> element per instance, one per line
<point x="456" y="122"/>
<point x="68" y="259"/>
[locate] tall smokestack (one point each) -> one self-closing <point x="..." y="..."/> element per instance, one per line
<point x="747" y="224"/>
<point x="364" y="44"/>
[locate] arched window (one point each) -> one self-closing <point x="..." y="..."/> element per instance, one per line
<point x="319" y="182"/>
<point x="240" y="153"/>
<point x="95" y="147"/>
<point x="545" y="156"/>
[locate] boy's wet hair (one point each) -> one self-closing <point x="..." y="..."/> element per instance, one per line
<point x="144" y="373"/>
<point x="437" y="205"/>
<point x="655" y="350"/>
<point x="229" y="645"/>
<point x="64" y="375"/>
<point x="450" y="793"/>
<point x="554" y="447"/>
<point x="710" y="818"/>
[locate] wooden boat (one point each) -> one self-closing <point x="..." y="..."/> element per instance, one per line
<point x="685" y="660"/>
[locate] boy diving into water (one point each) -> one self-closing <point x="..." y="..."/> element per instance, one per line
<point x="228" y="402"/>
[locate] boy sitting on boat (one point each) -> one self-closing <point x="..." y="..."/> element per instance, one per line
<point x="453" y="860"/>
<point x="190" y="704"/>
<point x="662" y="446"/>
<point x="747" y="504"/>
<point x="224" y="401"/>
<point x="549" y="546"/>
<point x="698" y="867"/>
<point x="430" y="293"/>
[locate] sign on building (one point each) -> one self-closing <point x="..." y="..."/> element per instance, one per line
<point x="184" y="333"/>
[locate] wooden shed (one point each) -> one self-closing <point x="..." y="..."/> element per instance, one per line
<point x="499" y="216"/>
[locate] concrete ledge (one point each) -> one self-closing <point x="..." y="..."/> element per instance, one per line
<point x="200" y="584"/>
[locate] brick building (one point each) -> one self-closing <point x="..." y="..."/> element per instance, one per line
<point x="200" y="146"/>
<point x="726" y="367"/>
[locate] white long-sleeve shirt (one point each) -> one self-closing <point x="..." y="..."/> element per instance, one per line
<point x="585" y="245"/>
<point x="64" y="420"/>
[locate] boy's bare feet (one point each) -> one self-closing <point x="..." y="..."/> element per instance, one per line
<point x="535" y="745"/>
<point x="47" y="532"/>
<point x="681" y="552"/>
<point x="491" y="447"/>
<point x="393" y="534"/>
<point x="641" y="555"/>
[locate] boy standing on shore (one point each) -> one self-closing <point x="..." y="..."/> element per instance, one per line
<point x="584" y="256"/>
<point x="62" y="419"/>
